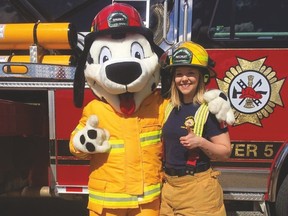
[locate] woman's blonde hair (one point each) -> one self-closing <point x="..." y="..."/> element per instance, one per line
<point x="176" y="96"/>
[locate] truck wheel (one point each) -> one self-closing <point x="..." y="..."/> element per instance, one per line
<point x="282" y="199"/>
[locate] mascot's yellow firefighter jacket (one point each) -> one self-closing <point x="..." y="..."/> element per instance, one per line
<point x="130" y="174"/>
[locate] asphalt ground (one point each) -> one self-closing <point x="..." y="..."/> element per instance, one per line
<point x="41" y="206"/>
<point x="57" y="206"/>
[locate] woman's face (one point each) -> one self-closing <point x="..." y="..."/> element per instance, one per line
<point x="186" y="80"/>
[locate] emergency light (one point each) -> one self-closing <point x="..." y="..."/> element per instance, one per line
<point x="66" y="60"/>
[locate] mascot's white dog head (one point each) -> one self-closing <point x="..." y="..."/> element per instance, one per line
<point x="119" y="60"/>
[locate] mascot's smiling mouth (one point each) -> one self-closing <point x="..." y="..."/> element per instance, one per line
<point x="127" y="103"/>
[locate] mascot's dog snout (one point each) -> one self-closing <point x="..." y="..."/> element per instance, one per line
<point x="123" y="72"/>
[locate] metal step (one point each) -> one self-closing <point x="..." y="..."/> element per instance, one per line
<point x="244" y="196"/>
<point x="245" y="204"/>
<point x="245" y="213"/>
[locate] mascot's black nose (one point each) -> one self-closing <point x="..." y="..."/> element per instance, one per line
<point x="123" y="72"/>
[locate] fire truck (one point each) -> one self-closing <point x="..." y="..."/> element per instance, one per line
<point x="41" y="41"/>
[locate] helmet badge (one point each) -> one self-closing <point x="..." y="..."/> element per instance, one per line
<point x="117" y="19"/>
<point x="182" y="56"/>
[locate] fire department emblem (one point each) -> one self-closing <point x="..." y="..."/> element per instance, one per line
<point x="253" y="90"/>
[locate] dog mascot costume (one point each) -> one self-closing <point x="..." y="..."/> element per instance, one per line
<point x="120" y="130"/>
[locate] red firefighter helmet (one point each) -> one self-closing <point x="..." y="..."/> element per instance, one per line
<point x="116" y="15"/>
<point x="120" y="18"/>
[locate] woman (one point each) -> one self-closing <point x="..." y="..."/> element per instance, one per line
<point x="191" y="140"/>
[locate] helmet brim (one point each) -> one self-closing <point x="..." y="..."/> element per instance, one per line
<point x="211" y="72"/>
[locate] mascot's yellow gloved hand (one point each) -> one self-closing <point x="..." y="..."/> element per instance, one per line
<point x="219" y="105"/>
<point x="92" y="139"/>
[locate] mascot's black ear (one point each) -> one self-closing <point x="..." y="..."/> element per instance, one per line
<point x="79" y="83"/>
<point x="79" y="78"/>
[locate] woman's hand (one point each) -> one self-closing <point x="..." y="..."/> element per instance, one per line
<point x="190" y="141"/>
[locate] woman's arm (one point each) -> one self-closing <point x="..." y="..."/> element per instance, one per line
<point x="219" y="148"/>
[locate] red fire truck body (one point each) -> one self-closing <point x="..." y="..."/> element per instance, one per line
<point x="259" y="138"/>
<point x="256" y="164"/>
<point x="38" y="113"/>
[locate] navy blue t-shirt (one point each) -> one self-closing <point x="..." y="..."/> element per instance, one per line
<point x="175" y="155"/>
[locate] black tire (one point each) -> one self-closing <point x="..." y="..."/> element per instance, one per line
<point x="282" y="199"/>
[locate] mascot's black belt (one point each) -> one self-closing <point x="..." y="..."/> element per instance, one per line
<point x="182" y="172"/>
